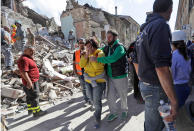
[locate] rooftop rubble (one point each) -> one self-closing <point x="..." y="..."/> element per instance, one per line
<point x="56" y="75"/>
<point x="54" y="60"/>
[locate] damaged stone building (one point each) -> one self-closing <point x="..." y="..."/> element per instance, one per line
<point x="14" y="10"/>
<point x="185" y="17"/>
<point x="87" y="21"/>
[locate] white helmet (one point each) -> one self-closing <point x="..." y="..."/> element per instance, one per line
<point x="179" y="35"/>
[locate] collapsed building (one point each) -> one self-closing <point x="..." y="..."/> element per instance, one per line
<point x="87" y="21"/>
<point x="12" y="10"/>
<point x="53" y="59"/>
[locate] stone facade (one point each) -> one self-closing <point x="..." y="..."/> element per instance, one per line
<point x="185" y="17"/>
<point x="87" y="21"/>
<point x="21" y="12"/>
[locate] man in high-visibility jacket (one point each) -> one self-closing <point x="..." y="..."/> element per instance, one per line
<point x="13" y="33"/>
<point x="78" y="70"/>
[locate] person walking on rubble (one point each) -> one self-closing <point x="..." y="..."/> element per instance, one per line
<point x="6" y="48"/>
<point x="78" y="70"/>
<point x="30" y="76"/>
<point x="20" y="37"/>
<point x="71" y="39"/>
<point x="181" y="66"/>
<point x="30" y="37"/>
<point x="153" y="61"/>
<point x="117" y="71"/>
<point x="95" y="77"/>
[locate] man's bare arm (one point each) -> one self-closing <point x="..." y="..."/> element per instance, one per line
<point x="166" y="82"/>
<point x="27" y="78"/>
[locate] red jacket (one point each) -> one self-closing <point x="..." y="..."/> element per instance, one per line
<point x="27" y="64"/>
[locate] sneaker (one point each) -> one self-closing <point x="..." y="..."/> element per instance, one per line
<point x="40" y="113"/>
<point x="97" y="124"/>
<point x="124" y="115"/>
<point x="112" y="117"/>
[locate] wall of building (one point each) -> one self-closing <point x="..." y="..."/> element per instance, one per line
<point x="185" y="16"/>
<point x="67" y="25"/>
<point x="9" y="17"/>
<point x="87" y="20"/>
<point x="191" y="21"/>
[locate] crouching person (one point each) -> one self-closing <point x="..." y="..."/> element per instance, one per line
<point x="30" y="76"/>
<point x="94" y="77"/>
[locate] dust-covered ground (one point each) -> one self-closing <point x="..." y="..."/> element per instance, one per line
<point x="70" y="114"/>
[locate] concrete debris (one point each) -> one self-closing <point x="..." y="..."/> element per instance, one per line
<point x="11" y="93"/>
<point x="52" y="56"/>
<point x="49" y="70"/>
<point x="52" y="95"/>
<point x="56" y="75"/>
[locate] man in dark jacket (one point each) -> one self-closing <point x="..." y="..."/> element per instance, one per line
<point x="117" y="72"/>
<point x="153" y="65"/>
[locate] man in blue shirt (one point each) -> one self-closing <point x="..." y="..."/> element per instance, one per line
<point x="153" y="63"/>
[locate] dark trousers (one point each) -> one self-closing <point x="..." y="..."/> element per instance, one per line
<point x="137" y="93"/>
<point x="182" y="92"/>
<point x="32" y="95"/>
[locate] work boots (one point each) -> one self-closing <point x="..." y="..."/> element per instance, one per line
<point x="37" y="112"/>
<point x="29" y="109"/>
<point x="40" y="113"/>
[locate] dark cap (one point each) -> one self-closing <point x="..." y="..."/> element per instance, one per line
<point x="83" y="40"/>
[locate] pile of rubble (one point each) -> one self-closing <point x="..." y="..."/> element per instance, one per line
<point x="54" y="61"/>
<point x="53" y="58"/>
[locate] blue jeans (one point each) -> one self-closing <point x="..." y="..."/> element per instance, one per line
<point x="6" y="50"/>
<point x="83" y="85"/>
<point x="95" y="95"/>
<point x="152" y="95"/>
<point x="182" y="92"/>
